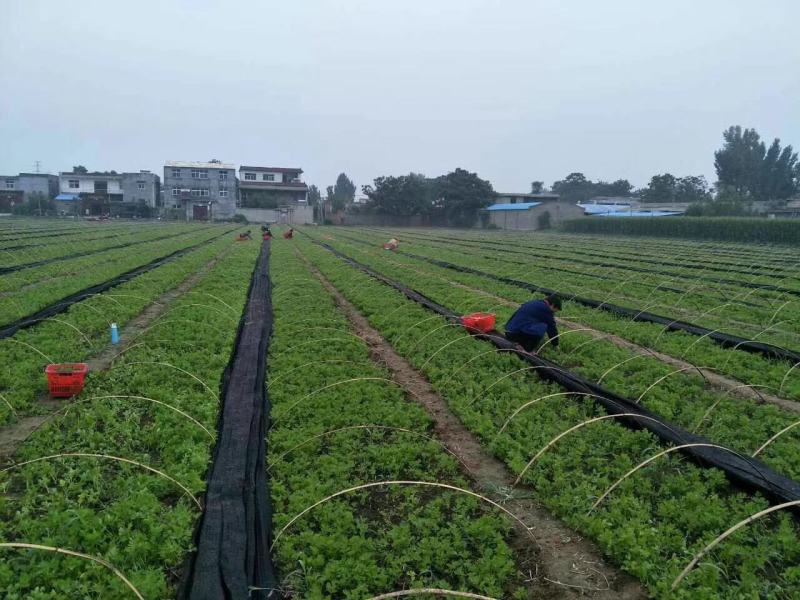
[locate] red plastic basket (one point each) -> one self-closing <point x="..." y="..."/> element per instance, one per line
<point x="479" y="322"/>
<point x="66" y="379"/>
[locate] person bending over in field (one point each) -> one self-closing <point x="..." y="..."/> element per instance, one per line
<point x="529" y="324"/>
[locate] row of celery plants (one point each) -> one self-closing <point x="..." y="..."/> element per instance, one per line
<point x="30" y="290"/>
<point x="157" y="406"/>
<point x="653" y="523"/>
<point x="324" y="388"/>
<point x="778" y="377"/>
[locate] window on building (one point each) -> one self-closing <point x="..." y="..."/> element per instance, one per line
<point x="199" y="192"/>
<point x="249" y="176"/>
<point x="223" y="193"/>
<point x="223" y="175"/>
<point x="74" y="183"/>
<point x="176" y="172"/>
<point x="140" y="185"/>
<point x="199" y="173"/>
<point x="175" y="191"/>
<point x="268" y="177"/>
<point x="10" y="184"/>
<point x="203" y="174"/>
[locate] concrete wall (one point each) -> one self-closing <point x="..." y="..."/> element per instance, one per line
<point x="528" y="220"/>
<point x="86" y="183"/>
<point x="31" y="183"/>
<point x="293" y="216"/>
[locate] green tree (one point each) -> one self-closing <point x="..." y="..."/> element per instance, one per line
<point x="314" y="200"/>
<point x="660" y="189"/>
<point x="537" y="187"/>
<point x="460" y="195"/>
<point x="575" y="187"/>
<point x="344" y="192"/>
<point x="746" y="166"/>
<point x="80" y="169"/>
<point x="405" y="195"/>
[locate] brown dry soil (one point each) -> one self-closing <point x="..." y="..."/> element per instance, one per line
<point x="565" y="565"/>
<point x="12" y="436"/>
<point x="712" y="378"/>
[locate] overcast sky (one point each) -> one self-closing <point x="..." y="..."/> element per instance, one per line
<point x="516" y="90"/>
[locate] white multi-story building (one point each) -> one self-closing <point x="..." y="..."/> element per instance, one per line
<point x="109" y="191"/>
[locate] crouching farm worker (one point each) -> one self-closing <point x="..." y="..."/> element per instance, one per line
<point x="529" y="324"/>
<point x="288" y="234"/>
<point x="392" y="244"/>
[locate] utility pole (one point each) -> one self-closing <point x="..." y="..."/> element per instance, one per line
<point x="37" y="164"/>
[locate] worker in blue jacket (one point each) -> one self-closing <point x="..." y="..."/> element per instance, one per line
<point x="529" y="324"/>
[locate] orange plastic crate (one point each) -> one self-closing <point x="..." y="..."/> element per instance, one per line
<point x="66" y="379"/>
<point x="479" y="322"/>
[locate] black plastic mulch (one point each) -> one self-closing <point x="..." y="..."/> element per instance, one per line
<point x="233" y="539"/>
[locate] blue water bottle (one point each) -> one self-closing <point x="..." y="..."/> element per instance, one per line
<point x="114" y="334"/>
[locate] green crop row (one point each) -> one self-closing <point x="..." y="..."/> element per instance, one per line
<point x="63" y="245"/>
<point x="30" y="290"/>
<point x="376" y="540"/>
<point x="771" y="316"/>
<point x="778" y="377"/>
<point x="760" y="231"/>
<point x="133" y="518"/>
<point x="653" y="523"/>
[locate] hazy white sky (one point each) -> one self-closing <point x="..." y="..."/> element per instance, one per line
<point x="516" y="90"/>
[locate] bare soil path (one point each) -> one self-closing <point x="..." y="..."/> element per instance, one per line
<point x="568" y="566"/>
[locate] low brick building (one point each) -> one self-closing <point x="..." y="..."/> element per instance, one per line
<point x="202" y="191"/>
<point x="18" y="189"/>
<point x="528" y="212"/>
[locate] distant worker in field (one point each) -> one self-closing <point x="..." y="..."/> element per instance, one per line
<point x="265" y="229"/>
<point x="288" y="234"/>
<point x="529" y="324"/>
<point x="392" y="244"/>
<point x="244" y="236"/>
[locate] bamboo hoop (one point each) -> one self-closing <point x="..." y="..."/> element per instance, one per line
<point x="786" y="376"/>
<point x="385" y="427"/>
<point x="458" y="339"/>
<point x="434" y="591"/>
<point x="563" y="333"/>
<point x="401" y="482"/>
<point x="3" y="398"/>
<point x="313" y="362"/>
<point x="570" y="430"/>
<point x="663" y="377"/>
<point x="532" y="402"/>
<point x="97" y="559"/>
<point x="34" y="348"/>
<point x="774" y="437"/>
<point x="107" y="457"/>
<point x="316" y="341"/>
<point x="727" y="533"/>
<point x="337" y="383"/>
<point x="166" y="364"/>
<point x="651" y="459"/>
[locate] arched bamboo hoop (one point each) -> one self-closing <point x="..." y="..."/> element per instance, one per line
<point x="646" y="462"/>
<point x="786" y="376"/>
<point x="728" y="533"/>
<point x="97" y="559"/>
<point x="570" y="430"/>
<point x="663" y="377"/>
<point x="451" y="342"/>
<point x="313" y="362"/>
<point x="11" y="408"/>
<point x="337" y="383"/>
<point x="532" y="402"/>
<point x="402" y="482"/>
<point x="317" y="341"/>
<point x="775" y="437"/>
<point x="146" y="399"/>
<point x="383" y="427"/>
<point x="83" y="335"/>
<point x="166" y="364"/>
<point x="562" y="334"/>
<point x="32" y="347"/>
<point x="434" y="591"/>
<point x="501" y="378"/>
<point x="106" y="457"/>
<point x="479" y="355"/>
<point x="752" y="386"/>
